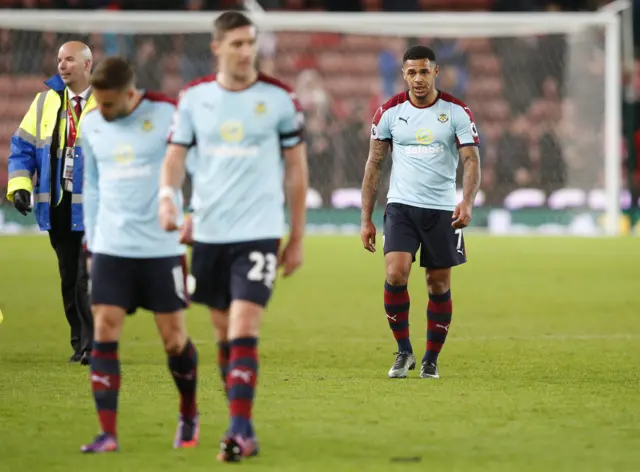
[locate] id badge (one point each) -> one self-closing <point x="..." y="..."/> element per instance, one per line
<point x="67" y="173"/>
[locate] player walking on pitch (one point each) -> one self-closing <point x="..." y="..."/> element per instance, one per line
<point x="134" y="263"/>
<point x="242" y="124"/>
<point x="428" y="131"/>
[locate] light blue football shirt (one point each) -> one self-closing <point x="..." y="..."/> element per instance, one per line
<point x="425" y="143"/>
<point x="238" y="166"/>
<point x="122" y="164"/>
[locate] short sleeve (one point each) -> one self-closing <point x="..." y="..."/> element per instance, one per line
<point x="182" y="131"/>
<point x="465" y="128"/>
<point x="380" y="128"/>
<point x="291" y="124"/>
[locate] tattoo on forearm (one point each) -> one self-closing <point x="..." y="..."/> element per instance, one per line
<point x="372" y="171"/>
<point x="472" y="173"/>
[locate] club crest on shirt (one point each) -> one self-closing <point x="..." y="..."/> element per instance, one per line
<point x="147" y="125"/>
<point x="443" y="118"/>
<point x="261" y="108"/>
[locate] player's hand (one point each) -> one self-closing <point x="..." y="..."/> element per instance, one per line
<point x="291" y="257"/>
<point x="368" y="235"/>
<point x="186" y="230"/>
<point x="89" y="265"/>
<point x="168" y="214"/>
<point x="462" y="215"/>
<point x="22" y="201"/>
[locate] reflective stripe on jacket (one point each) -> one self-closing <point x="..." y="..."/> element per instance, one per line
<point x="44" y="126"/>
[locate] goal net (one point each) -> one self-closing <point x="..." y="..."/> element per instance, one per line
<point x="544" y="89"/>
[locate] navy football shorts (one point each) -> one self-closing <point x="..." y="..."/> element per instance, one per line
<point x="154" y="284"/>
<point x="234" y="271"/>
<point x="408" y="228"/>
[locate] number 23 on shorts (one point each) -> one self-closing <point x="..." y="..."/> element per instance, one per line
<point x="264" y="268"/>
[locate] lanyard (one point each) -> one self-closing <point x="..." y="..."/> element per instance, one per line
<point x="73" y="120"/>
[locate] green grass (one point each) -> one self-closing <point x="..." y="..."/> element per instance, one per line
<point x="540" y="371"/>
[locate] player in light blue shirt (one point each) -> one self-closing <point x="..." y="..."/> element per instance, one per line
<point x="134" y="262"/>
<point x="427" y="131"/>
<point x="246" y="129"/>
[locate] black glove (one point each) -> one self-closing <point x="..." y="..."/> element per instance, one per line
<point x="21" y="201"/>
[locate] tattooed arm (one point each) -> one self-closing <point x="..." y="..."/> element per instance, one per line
<point x="470" y="156"/>
<point x="377" y="152"/>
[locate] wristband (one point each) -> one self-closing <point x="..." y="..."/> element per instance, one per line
<point x="166" y="191"/>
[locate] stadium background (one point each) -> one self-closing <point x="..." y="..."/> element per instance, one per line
<point x="514" y="86"/>
<point x="541" y="368"/>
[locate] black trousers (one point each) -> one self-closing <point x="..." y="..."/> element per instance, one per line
<point x="74" y="278"/>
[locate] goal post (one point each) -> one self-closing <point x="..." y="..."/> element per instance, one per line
<point x="545" y="89"/>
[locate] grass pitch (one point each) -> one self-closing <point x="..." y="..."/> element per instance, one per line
<point x="540" y="371"/>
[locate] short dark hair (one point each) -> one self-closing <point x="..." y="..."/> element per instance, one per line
<point x="419" y="52"/>
<point x="113" y="73"/>
<point x="228" y="21"/>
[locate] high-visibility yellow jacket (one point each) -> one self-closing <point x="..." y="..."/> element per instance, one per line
<point x="37" y="146"/>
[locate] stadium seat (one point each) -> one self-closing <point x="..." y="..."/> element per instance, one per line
<point x="314" y="199"/>
<point x="479" y="201"/>
<point x="567" y="198"/>
<point x="346" y="198"/>
<point x="525" y="198"/>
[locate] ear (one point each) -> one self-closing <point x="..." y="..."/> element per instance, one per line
<point x="437" y="70"/>
<point x="215" y="47"/>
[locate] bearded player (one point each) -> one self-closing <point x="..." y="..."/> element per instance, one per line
<point x="428" y="131"/>
<point x="246" y="129"/>
<point x="134" y="264"/>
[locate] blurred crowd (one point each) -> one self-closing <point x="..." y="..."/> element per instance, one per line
<point x="538" y="108"/>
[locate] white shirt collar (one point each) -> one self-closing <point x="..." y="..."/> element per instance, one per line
<point x="83" y="94"/>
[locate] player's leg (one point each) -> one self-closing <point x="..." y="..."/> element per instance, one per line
<point x="220" y="323"/>
<point x="162" y="283"/>
<point x="442" y="249"/>
<point x="439" y="312"/>
<point x="110" y="296"/>
<point x="210" y="268"/>
<point x="400" y="245"/>
<point x="182" y="360"/>
<point x="253" y="271"/>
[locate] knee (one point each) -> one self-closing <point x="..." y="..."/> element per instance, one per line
<point x="220" y="321"/>
<point x="107" y="325"/>
<point x="438" y="283"/>
<point x="397" y="275"/>
<point x="174" y="344"/>
<point x="244" y="317"/>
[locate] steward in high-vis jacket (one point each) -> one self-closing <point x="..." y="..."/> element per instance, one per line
<point x="43" y="151"/>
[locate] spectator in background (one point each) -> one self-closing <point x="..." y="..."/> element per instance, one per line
<point x="513" y="163"/>
<point x="389" y="67"/>
<point x="148" y="69"/>
<point x="453" y="80"/>
<point x="552" y="167"/>
<point x="321" y="149"/>
<point x="453" y="60"/>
